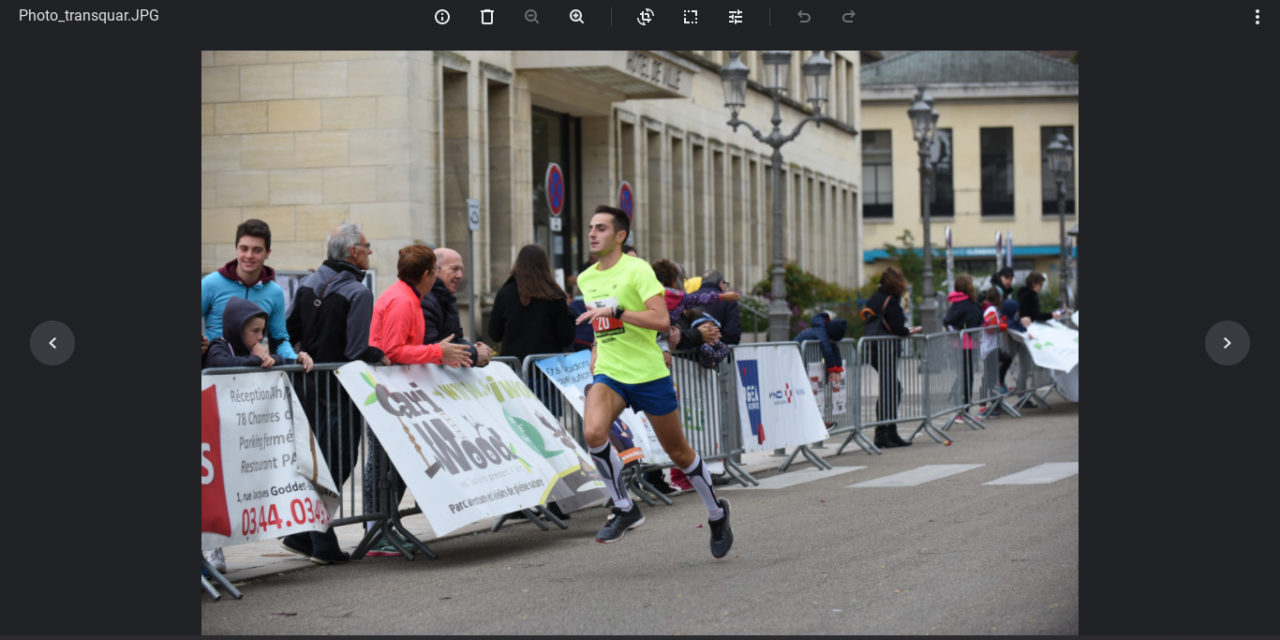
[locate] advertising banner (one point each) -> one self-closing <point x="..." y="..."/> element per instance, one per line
<point x="470" y="443"/>
<point x="775" y="399"/>
<point x="262" y="475"/>
<point x="632" y="435"/>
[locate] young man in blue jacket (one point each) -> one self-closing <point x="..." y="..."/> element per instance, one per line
<point x="247" y="277"/>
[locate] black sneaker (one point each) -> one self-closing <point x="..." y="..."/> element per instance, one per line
<point x="299" y="543"/>
<point x="325" y="549"/>
<point x="721" y="534"/>
<point x="619" y="523"/>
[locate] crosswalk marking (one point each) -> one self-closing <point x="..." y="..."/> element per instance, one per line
<point x="917" y="476"/>
<point x="1041" y="474"/>
<point x="792" y="478"/>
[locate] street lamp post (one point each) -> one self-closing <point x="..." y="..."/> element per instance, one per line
<point x="924" y="121"/>
<point x="816" y="71"/>
<point x="1060" y="155"/>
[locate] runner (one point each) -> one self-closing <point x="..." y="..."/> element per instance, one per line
<point x="626" y="309"/>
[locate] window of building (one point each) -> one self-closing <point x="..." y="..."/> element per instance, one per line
<point x="943" y="204"/>
<point x="877" y="174"/>
<point x="1049" y="184"/>
<point x="997" y="171"/>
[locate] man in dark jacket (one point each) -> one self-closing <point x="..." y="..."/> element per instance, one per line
<point x="1002" y="281"/>
<point x="440" y="307"/>
<point x="337" y="330"/>
<point x="724" y="311"/>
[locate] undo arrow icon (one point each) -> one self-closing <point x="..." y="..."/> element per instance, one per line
<point x="1226" y="341"/>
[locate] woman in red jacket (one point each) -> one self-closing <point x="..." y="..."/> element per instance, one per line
<point x="398" y="327"/>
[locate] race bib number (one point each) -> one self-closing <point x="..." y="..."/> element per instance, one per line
<point x="606" y="326"/>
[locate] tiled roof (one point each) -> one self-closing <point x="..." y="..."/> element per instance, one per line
<point x="932" y="67"/>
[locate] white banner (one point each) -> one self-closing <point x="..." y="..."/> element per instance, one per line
<point x="262" y="475"/>
<point x="775" y="401"/>
<point x="470" y="443"/>
<point x="1053" y="345"/>
<point x="571" y="374"/>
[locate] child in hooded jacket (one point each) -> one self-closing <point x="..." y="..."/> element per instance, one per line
<point x="243" y="327"/>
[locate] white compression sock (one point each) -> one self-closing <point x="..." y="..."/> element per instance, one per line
<point x="610" y="467"/>
<point x="701" y="480"/>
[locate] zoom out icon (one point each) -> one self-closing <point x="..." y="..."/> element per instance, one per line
<point x="645" y="17"/>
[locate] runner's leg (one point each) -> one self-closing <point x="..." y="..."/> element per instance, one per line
<point x="671" y="437"/>
<point x="603" y="406"/>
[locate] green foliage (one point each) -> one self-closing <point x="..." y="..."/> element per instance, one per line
<point x="807" y="294"/>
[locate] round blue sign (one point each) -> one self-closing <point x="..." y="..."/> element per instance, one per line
<point x="555" y="188"/>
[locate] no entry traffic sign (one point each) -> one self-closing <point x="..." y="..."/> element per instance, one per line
<point x="626" y="201"/>
<point x="555" y="188"/>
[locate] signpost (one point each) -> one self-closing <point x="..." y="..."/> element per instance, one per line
<point x="1008" y="252"/>
<point x="999" y="250"/>
<point x="473" y="225"/>
<point x="555" y="188"/>
<point x="951" y="264"/>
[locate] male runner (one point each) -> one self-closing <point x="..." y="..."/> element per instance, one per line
<point x="626" y="310"/>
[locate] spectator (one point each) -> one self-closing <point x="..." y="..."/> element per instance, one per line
<point x="397" y="328"/>
<point x="440" y="307"/>
<point x="243" y="328"/>
<point x="330" y="316"/>
<point x="964" y="313"/>
<point x="1002" y="281"/>
<point x="530" y="311"/>
<point x="993" y="358"/>
<point x="1008" y="320"/>
<point x="679" y="301"/>
<point x="247" y="277"/>
<point x="828" y="332"/>
<point x="726" y="309"/>
<point x="396" y="331"/>
<point x="1029" y="300"/>
<point x="884" y="316"/>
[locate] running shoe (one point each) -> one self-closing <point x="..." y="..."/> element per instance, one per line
<point x="721" y="534"/>
<point x="619" y="523"/>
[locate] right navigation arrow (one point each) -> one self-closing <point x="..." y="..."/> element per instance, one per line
<point x="1226" y="341"/>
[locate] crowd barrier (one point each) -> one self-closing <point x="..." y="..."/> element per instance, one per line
<point x="932" y="381"/>
<point x="887" y="380"/>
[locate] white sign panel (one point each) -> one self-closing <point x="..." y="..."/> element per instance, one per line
<point x="775" y="399"/>
<point x="470" y="443"/>
<point x="262" y="476"/>
<point x="571" y="374"/>
<point x="1053" y="346"/>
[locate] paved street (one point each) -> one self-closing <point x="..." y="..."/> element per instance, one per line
<point x="889" y="544"/>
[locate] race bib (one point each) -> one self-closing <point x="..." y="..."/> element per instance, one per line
<point x="606" y="326"/>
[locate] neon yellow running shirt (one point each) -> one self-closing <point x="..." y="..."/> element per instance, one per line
<point x="624" y="352"/>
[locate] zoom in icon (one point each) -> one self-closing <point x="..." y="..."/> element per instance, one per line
<point x="442" y="17"/>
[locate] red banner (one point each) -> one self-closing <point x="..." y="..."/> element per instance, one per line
<point x="213" y="498"/>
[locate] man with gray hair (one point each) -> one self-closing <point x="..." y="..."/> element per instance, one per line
<point x="330" y="317"/>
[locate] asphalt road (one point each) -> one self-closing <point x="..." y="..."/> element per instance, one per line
<point x="949" y="556"/>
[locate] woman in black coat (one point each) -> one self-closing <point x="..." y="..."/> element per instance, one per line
<point x="531" y="312"/>
<point x="1029" y="300"/>
<point x="884" y="317"/>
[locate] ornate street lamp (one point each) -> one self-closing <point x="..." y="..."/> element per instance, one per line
<point x="817" y="72"/>
<point x="1061" y="155"/>
<point x="924" y="122"/>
